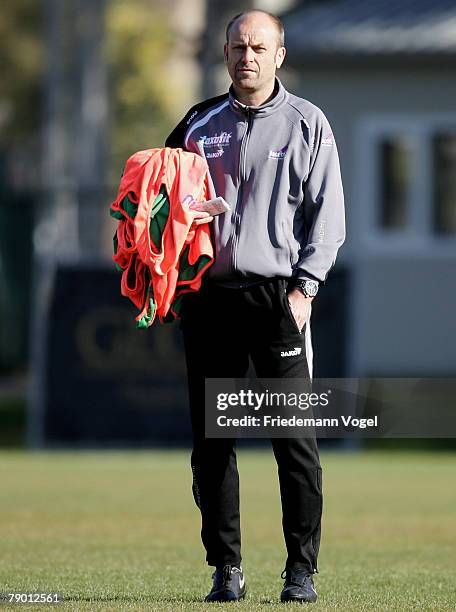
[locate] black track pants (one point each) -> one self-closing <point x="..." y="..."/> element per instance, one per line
<point x="222" y="327"/>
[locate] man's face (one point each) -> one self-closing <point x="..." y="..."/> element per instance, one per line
<point x="252" y="54"/>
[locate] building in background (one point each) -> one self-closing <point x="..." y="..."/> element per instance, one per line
<point x="384" y="74"/>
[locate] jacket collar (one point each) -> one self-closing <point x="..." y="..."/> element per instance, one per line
<point x="280" y="97"/>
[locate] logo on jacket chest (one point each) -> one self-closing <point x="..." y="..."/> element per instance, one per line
<point x="217" y="140"/>
<point x="215" y="145"/>
<point x="278" y="153"/>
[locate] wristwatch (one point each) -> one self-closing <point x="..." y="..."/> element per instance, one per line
<point x="309" y="288"/>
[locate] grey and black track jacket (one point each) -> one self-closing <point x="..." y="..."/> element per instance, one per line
<point x="278" y="168"/>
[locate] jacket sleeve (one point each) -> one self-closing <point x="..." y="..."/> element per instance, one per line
<point x="323" y="207"/>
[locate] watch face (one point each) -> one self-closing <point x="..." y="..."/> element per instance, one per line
<point x="311" y="288"/>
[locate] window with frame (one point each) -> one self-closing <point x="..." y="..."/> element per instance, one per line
<point x="444" y="182"/>
<point x="408" y="168"/>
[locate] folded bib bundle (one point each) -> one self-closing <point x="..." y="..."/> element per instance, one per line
<point x="161" y="257"/>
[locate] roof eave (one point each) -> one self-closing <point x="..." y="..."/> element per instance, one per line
<point x="349" y="59"/>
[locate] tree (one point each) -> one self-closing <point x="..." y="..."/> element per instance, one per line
<point x="21" y="52"/>
<point x="141" y="91"/>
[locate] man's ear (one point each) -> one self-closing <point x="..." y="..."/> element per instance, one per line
<point x="280" y="56"/>
<point x="225" y="52"/>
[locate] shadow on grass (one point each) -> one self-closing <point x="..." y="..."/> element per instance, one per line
<point x="134" y="599"/>
<point x="165" y="599"/>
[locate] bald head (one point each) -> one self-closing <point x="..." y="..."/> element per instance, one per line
<point x="253" y="52"/>
<point x="262" y="18"/>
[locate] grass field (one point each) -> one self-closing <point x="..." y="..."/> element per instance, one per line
<point x="119" y="531"/>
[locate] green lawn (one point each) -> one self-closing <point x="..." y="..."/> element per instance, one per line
<point x="119" y="531"/>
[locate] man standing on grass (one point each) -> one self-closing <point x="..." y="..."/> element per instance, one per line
<point x="272" y="156"/>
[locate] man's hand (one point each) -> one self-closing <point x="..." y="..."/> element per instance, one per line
<point x="299" y="306"/>
<point x="201" y="218"/>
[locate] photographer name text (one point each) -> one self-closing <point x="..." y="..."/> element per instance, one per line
<point x="294" y="421"/>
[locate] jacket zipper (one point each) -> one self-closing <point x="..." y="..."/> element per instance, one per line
<point x="242" y="177"/>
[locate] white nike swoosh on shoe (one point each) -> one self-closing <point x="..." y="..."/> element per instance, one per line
<point x="241" y="582"/>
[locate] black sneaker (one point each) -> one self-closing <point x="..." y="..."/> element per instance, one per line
<point x="298" y="586"/>
<point x="229" y="584"/>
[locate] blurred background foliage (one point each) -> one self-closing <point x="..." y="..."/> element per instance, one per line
<point x="141" y="94"/>
<point x="22" y="59"/>
<point x="141" y="101"/>
<point x="138" y="44"/>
